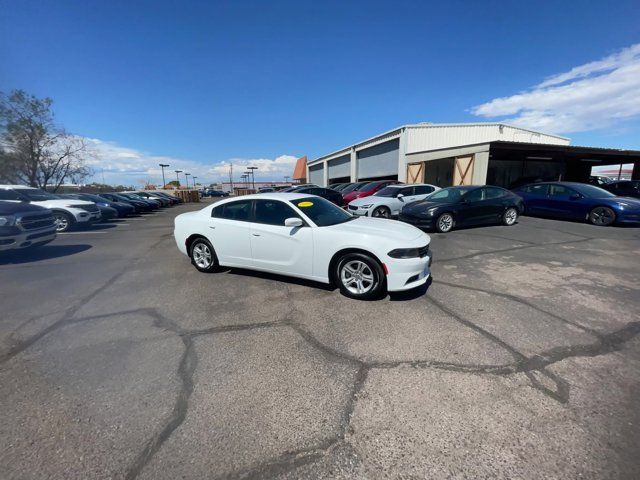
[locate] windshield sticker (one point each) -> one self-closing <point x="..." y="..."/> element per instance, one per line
<point x="305" y="204"/>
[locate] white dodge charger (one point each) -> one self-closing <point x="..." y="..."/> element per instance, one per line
<point x="307" y="237"/>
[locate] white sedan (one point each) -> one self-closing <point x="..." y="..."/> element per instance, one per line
<point x="388" y="202"/>
<point x="308" y="237"/>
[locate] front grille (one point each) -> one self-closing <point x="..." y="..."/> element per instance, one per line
<point x="87" y="208"/>
<point x="423" y="251"/>
<point x="34" y="222"/>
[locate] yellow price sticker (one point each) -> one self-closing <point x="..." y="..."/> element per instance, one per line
<point x="305" y="204"/>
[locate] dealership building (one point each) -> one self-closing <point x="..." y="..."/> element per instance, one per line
<point x="465" y="154"/>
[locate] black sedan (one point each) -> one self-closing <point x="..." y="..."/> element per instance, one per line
<point x="139" y="205"/>
<point x="464" y="206"/>
<point x="624" y="188"/>
<point x="329" y="194"/>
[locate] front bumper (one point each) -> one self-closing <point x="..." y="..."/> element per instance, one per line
<point x="628" y="217"/>
<point x="357" y="210"/>
<point x="23" y="239"/>
<point x="81" y="216"/>
<point x="420" y="222"/>
<point x="408" y="273"/>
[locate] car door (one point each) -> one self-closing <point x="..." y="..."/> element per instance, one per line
<point x="276" y="247"/>
<point x="564" y="202"/>
<point x="497" y="200"/>
<point x="405" y="196"/>
<point x="473" y="208"/>
<point x="230" y="233"/>
<point x="535" y="197"/>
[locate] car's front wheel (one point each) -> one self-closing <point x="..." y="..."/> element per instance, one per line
<point x="203" y="256"/>
<point x="360" y="276"/>
<point x="602" y="216"/>
<point x="381" y="212"/>
<point x="63" y="221"/>
<point x="445" y="223"/>
<point x="510" y="216"/>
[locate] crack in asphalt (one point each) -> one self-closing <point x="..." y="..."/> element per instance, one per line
<point x="511" y="249"/>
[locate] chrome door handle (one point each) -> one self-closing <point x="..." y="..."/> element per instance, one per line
<point x="255" y="234"/>
<point x="213" y="228"/>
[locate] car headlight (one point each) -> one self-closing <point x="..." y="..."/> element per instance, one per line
<point x="368" y="205"/>
<point x="431" y="212"/>
<point x="7" y="220"/>
<point x="404" y="253"/>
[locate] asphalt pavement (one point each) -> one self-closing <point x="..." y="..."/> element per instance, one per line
<point x="521" y="359"/>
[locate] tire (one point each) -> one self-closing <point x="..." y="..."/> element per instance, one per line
<point x="445" y="223"/>
<point x="381" y="212"/>
<point x="203" y="256"/>
<point x="510" y="216"/>
<point x="63" y="221"/>
<point x="602" y="216"/>
<point x="360" y="276"/>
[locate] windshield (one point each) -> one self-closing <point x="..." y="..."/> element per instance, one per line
<point x="448" y="195"/>
<point x="387" y="192"/>
<point x="36" y="195"/>
<point x="322" y="212"/>
<point x="592" y="191"/>
<point x="352" y="187"/>
<point x="368" y="187"/>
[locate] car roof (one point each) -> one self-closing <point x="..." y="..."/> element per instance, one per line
<point x="286" y="196"/>
<point x="17" y="186"/>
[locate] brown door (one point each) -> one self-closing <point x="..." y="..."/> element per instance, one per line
<point x="463" y="170"/>
<point x="415" y="173"/>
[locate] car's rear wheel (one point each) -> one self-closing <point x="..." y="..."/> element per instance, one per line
<point x="510" y="216"/>
<point x="360" y="276"/>
<point x="445" y="223"/>
<point x="203" y="256"/>
<point x="602" y="216"/>
<point x="381" y="212"/>
<point x="63" y="221"/>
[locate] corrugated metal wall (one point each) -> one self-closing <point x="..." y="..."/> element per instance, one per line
<point x="425" y="138"/>
<point x="379" y="161"/>
<point x="339" y="167"/>
<point x="316" y="174"/>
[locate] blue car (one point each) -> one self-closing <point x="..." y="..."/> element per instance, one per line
<point x="578" y="201"/>
<point x="121" y="209"/>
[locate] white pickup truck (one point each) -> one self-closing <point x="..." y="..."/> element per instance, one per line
<point x="66" y="212"/>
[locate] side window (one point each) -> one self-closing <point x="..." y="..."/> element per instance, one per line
<point x="538" y="189"/>
<point x="423" y="190"/>
<point x="475" y="195"/>
<point x="216" y="212"/>
<point x="560" y="191"/>
<point x="273" y="212"/>
<point x="492" y="193"/>
<point x="407" y="191"/>
<point x="240" y="211"/>
<point x="8" y="195"/>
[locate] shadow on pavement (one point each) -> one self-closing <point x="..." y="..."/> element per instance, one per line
<point x="45" y="252"/>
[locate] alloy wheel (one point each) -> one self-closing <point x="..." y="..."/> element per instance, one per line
<point x="381" y="212"/>
<point x="602" y="216"/>
<point x="202" y="255"/>
<point x="357" y="277"/>
<point x="61" y="221"/>
<point x="510" y="216"/>
<point x="445" y="222"/>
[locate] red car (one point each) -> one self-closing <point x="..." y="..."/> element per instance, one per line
<point x="366" y="190"/>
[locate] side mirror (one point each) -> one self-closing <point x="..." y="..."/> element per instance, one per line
<point x="400" y="196"/>
<point x="293" y="222"/>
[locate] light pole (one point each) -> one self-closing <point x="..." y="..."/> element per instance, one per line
<point x="162" y="166"/>
<point x="177" y="177"/>
<point x="186" y="178"/>
<point x="253" y="177"/>
<point x="195" y="185"/>
<point x="248" y="176"/>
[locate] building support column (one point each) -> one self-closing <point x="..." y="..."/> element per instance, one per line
<point x="354" y="165"/>
<point x="402" y="156"/>
<point x="325" y="174"/>
<point x="480" y="168"/>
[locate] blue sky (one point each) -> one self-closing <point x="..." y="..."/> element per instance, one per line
<point x="198" y="84"/>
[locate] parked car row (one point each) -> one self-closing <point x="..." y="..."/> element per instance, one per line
<point x="31" y="217"/>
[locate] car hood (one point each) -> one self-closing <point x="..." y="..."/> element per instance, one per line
<point x="423" y="205"/>
<point x="11" y="208"/>
<point x="379" y="227"/>
<point x="370" y="199"/>
<point x="61" y="203"/>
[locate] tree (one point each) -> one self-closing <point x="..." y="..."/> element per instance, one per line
<point x="33" y="150"/>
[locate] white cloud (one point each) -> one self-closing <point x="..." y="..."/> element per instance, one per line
<point x="587" y="97"/>
<point x="127" y="166"/>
